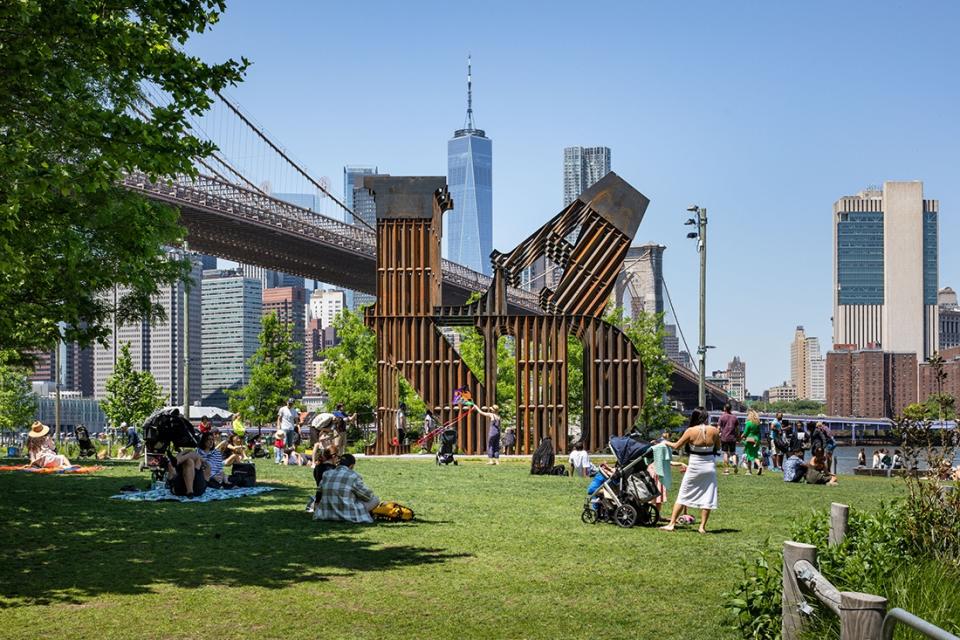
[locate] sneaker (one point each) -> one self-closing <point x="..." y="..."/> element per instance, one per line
<point x="309" y="508"/>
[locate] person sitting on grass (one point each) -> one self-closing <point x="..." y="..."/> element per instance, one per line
<point x="793" y="468"/>
<point x="325" y="460"/>
<point x="187" y="474"/>
<point x="234" y="449"/>
<point x="343" y="495"/>
<point x="579" y="461"/>
<point x="211" y="452"/>
<point x="817" y="470"/>
<point x="42" y="449"/>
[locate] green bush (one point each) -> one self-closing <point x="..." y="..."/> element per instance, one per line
<point x="756" y="598"/>
<point x="884" y="553"/>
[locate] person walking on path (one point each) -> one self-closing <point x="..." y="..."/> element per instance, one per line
<point x="509" y="441"/>
<point x="287" y="419"/>
<point x="698" y="490"/>
<point x="493" y="433"/>
<point x="751" y="442"/>
<point x="729" y="435"/>
<point x="401" y="424"/>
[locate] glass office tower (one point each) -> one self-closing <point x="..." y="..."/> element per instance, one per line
<point x="469" y="232"/>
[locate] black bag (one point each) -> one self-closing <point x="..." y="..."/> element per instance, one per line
<point x="244" y="475"/>
<point x="558" y="470"/>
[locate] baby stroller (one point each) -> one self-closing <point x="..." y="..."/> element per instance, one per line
<point x="448" y="444"/>
<point x="626" y="497"/>
<point x="162" y="429"/>
<point x="83" y="439"/>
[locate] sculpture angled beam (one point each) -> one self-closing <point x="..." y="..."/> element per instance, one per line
<point x="408" y="315"/>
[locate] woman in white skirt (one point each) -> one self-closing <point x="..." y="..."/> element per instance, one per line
<point x="699" y="487"/>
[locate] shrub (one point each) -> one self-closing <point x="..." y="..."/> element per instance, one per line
<point x="756" y="598"/>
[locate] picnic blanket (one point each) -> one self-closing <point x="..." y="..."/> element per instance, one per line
<point x="72" y="469"/>
<point x="157" y="495"/>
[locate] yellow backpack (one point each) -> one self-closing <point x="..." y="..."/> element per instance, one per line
<point x="392" y="512"/>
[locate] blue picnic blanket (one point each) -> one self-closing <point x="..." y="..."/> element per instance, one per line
<point x="157" y="495"/>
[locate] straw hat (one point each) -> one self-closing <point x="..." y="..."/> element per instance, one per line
<point x="38" y="430"/>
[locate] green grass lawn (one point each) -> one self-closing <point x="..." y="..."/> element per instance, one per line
<point x="493" y="552"/>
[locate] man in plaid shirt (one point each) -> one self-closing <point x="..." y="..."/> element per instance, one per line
<point x="343" y="496"/>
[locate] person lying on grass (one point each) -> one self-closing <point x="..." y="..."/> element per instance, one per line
<point x="344" y="496"/>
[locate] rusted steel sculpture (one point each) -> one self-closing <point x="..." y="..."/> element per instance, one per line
<point x="407" y="316"/>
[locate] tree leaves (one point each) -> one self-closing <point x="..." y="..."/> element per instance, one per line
<point x="131" y="395"/>
<point x="271" y="374"/>
<point x="70" y="73"/>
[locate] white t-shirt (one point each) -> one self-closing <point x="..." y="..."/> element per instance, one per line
<point x="580" y="459"/>
<point x="288" y="418"/>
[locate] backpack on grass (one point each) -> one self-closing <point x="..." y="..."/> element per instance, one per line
<point x="392" y="512"/>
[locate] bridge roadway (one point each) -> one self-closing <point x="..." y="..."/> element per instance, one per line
<point x="240" y="224"/>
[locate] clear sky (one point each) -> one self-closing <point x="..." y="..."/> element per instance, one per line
<point x="765" y="113"/>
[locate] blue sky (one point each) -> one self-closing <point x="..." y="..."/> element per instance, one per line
<point x="765" y="113"/>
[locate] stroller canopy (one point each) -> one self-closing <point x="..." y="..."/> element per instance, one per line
<point x="627" y="449"/>
<point x="168" y="426"/>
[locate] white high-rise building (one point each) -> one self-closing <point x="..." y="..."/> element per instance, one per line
<point x="807" y="367"/>
<point x="885" y="269"/>
<point x="325" y="305"/>
<point x="582" y="167"/>
<point x="231" y="324"/>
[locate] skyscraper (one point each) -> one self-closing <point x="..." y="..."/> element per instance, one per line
<point x="365" y="214"/>
<point x="267" y="277"/>
<point x="159" y="347"/>
<point x="469" y="233"/>
<point x="231" y="323"/>
<point x="885" y="269"/>
<point x="326" y="305"/>
<point x="807" y="373"/>
<point x="583" y="166"/>
<point x="352" y="181"/>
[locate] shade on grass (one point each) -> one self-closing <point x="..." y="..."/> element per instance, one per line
<point x="494" y="552"/>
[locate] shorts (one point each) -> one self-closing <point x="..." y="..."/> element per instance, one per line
<point x="179" y="488"/>
<point x="816" y="477"/>
<point x="728" y="447"/>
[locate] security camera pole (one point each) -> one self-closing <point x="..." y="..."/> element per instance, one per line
<point x="701" y="236"/>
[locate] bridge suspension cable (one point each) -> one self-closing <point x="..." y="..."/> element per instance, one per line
<point x="679" y="328"/>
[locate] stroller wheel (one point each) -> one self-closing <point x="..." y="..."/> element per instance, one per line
<point x="456" y="464"/>
<point x="647" y="515"/>
<point x="625" y="516"/>
<point x="589" y="516"/>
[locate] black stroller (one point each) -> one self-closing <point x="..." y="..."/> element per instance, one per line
<point x="627" y="497"/>
<point x="448" y="444"/>
<point x="255" y="444"/>
<point x="86" y="445"/>
<point x="163" y="429"/>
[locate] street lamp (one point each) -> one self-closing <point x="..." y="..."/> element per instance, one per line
<point x="700" y="235"/>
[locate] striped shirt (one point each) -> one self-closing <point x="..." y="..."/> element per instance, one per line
<point x="214" y="458"/>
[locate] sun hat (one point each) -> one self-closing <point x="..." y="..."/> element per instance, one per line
<point x="38" y="430"/>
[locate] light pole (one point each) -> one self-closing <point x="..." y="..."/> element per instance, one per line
<point x="701" y="236"/>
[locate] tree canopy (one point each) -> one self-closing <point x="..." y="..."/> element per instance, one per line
<point x="271" y="374"/>
<point x="17" y="404"/>
<point x="131" y="395"/>
<point x="72" y="78"/>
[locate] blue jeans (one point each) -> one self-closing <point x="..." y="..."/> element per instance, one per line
<point x="289" y="435"/>
<point x="277" y="454"/>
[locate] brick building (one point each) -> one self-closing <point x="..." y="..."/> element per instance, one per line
<point x="289" y="303"/>
<point x="869" y="383"/>
<point x="951" y="367"/>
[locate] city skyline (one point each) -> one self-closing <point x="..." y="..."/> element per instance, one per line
<point x="705" y="121"/>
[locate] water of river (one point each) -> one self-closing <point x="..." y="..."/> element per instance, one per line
<point x="846" y="457"/>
